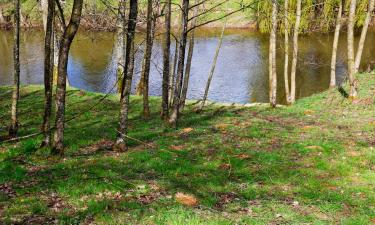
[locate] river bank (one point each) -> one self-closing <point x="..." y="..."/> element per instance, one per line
<point x="312" y="162"/>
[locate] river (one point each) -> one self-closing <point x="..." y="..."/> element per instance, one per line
<point x="241" y="74"/>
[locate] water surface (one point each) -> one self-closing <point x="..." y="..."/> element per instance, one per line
<point x="241" y="74"/>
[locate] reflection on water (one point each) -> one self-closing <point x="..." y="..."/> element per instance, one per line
<point x="241" y="75"/>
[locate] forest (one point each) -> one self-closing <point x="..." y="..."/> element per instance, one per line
<point x="187" y="112"/>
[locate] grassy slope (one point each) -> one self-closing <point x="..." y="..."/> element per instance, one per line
<point x="313" y="162"/>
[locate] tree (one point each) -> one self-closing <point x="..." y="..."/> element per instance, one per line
<point x="13" y="129"/>
<point x="120" y="144"/>
<point x="150" y="33"/>
<point x="286" y="50"/>
<point x="66" y="40"/>
<point x="181" y="62"/>
<point x="48" y="72"/>
<point x="212" y="71"/>
<point x="292" y="98"/>
<point x="351" y="65"/>
<point x="332" y="82"/>
<point x="189" y="58"/>
<point x="120" y="41"/>
<point x="362" y="39"/>
<point x="272" y="56"/>
<point x="166" y="62"/>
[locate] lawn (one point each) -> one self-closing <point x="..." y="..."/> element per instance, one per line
<point x="310" y="163"/>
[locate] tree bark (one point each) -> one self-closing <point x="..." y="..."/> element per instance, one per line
<point x="151" y="20"/>
<point x="166" y="62"/>
<point x="351" y="64"/>
<point x="272" y="56"/>
<point x="362" y="39"/>
<point x="189" y="59"/>
<point x="48" y="72"/>
<point x="213" y="67"/>
<point x="66" y="41"/>
<point x="13" y="129"/>
<point x="120" y="43"/>
<point x="295" y="53"/>
<point x="332" y="82"/>
<point x="286" y="50"/>
<point x="120" y="144"/>
<point x="181" y="62"/>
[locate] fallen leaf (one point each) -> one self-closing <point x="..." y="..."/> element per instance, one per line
<point x="225" y="166"/>
<point x="186" y="199"/>
<point x="243" y="156"/>
<point x="187" y="130"/>
<point x="177" y="147"/>
<point x="308" y="112"/>
<point x="221" y="126"/>
<point x="314" y="147"/>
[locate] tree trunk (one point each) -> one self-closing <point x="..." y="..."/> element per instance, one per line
<point x="166" y="62"/>
<point x="189" y="59"/>
<point x="295" y="53"/>
<point x="66" y="41"/>
<point x="286" y="50"/>
<point x="181" y="62"/>
<point x="48" y="72"/>
<point x="272" y="56"/>
<point x="151" y="22"/>
<point x="213" y="67"/>
<point x="44" y="7"/>
<point x="120" y="43"/>
<point x="120" y="144"/>
<point x="332" y="82"/>
<point x="173" y="75"/>
<point x="361" y="42"/>
<point x="13" y="129"/>
<point x="351" y="64"/>
<point x="2" y="19"/>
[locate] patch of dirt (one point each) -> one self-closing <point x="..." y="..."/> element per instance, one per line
<point x="7" y="190"/>
<point x="102" y="145"/>
<point x="225" y="198"/>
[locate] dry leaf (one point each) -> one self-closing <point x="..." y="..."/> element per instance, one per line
<point x="187" y="130"/>
<point x="314" y="147"/>
<point x="186" y="199"/>
<point x="243" y="156"/>
<point x="177" y="147"/>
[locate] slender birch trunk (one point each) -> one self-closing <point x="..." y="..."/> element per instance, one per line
<point x="286" y="50"/>
<point x="181" y="62"/>
<point x="173" y="75"/>
<point x="48" y="72"/>
<point x="362" y="39"/>
<point x="272" y="56"/>
<point x="66" y="41"/>
<point x="120" y="43"/>
<point x="166" y="62"/>
<point x="213" y="67"/>
<point x="13" y="129"/>
<point x="295" y="53"/>
<point x="332" y="82"/>
<point x="351" y="64"/>
<point x="147" y="59"/>
<point x="189" y="59"/>
<point x="120" y="144"/>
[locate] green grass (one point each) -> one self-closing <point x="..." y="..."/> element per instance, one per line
<point x="310" y="163"/>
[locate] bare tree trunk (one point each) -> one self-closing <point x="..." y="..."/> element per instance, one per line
<point x="213" y="67"/>
<point x="13" y="129"/>
<point x="166" y="62"/>
<point x="189" y="59"/>
<point x="181" y="62"/>
<point x="361" y="42"/>
<point x="48" y="72"/>
<point x="151" y="22"/>
<point x="351" y="64"/>
<point x="272" y="56"/>
<point x="66" y="41"/>
<point x="295" y="53"/>
<point x="332" y="82"/>
<point x="120" y="42"/>
<point x="2" y="19"/>
<point x="173" y="75"/>
<point x="286" y="50"/>
<point x="120" y="144"/>
<point x="44" y="7"/>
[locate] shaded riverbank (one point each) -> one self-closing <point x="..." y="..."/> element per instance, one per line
<point x="308" y="163"/>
